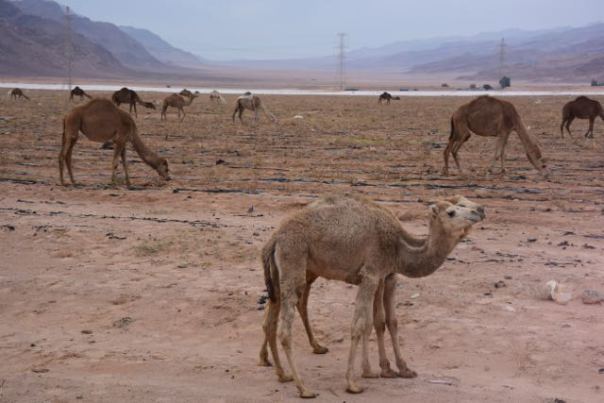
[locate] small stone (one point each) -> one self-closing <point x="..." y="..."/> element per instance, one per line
<point x="507" y="277"/>
<point x="86" y="331"/>
<point x="40" y="370"/>
<point x="591" y="297"/>
<point x="531" y="239"/>
<point x="601" y="371"/>
<point x="500" y="284"/>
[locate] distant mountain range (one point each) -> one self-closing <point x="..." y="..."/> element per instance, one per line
<point x="33" y="37"/>
<point x="33" y="32"/>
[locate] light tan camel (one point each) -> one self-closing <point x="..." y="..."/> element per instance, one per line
<point x="356" y="241"/>
<point x="491" y="117"/>
<point x="217" y="98"/>
<point x="581" y="108"/>
<point x="78" y="92"/>
<point x="130" y="97"/>
<point x="252" y="103"/>
<point x="310" y="279"/>
<point x="178" y="102"/>
<point x="102" y="121"/>
<point x="18" y="93"/>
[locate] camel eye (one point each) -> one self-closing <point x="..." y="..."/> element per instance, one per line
<point x="451" y="213"/>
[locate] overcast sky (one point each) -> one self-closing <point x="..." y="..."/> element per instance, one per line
<point x="263" y="29"/>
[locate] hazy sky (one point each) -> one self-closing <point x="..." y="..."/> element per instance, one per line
<point x="228" y="29"/>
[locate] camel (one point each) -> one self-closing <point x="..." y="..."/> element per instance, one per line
<point x="78" y="92"/>
<point x="217" y="98"/>
<point x="491" y="117"/>
<point x="252" y="103"/>
<point x="581" y="108"/>
<point x="310" y="279"/>
<point x="356" y="241"/>
<point x="102" y="121"/>
<point x="130" y="97"/>
<point x="178" y="102"/>
<point x="385" y="96"/>
<point x="17" y="93"/>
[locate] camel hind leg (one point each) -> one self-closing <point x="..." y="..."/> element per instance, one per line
<point x="303" y="309"/>
<point x="270" y="327"/>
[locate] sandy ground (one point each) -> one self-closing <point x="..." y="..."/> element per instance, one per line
<point x="151" y="293"/>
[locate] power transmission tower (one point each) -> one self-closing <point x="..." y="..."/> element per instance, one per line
<point x="68" y="46"/>
<point x="340" y="68"/>
<point x="502" y="47"/>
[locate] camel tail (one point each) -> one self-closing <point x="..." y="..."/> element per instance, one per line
<point x="271" y="274"/>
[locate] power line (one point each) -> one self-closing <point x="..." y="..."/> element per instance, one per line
<point x="502" y="47"/>
<point x="340" y="67"/>
<point x="68" y="46"/>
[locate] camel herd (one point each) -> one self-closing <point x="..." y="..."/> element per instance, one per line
<point x="345" y="238"/>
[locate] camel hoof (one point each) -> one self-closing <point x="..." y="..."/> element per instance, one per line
<point x="370" y="374"/>
<point x="318" y="349"/>
<point x="389" y="373"/>
<point x="354" y="389"/>
<point x="307" y="394"/>
<point x="407" y="373"/>
<point x="285" y="378"/>
<point x="264" y="362"/>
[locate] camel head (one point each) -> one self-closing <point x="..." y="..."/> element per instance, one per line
<point x="162" y="169"/>
<point x="456" y="219"/>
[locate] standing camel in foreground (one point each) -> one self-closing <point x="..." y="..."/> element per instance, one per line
<point x="358" y="242"/>
<point x="17" y="93"/>
<point x="178" y="102"/>
<point x="581" y="108"/>
<point x="100" y="120"/>
<point x="252" y="103"/>
<point x="385" y="96"/>
<point x="78" y="92"/>
<point x="490" y="117"/>
<point x="310" y="279"/>
<point x="130" y="97"/>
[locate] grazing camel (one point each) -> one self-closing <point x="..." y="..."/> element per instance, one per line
<point x="78" y="92"/>
<point x="178" y="102"/>
<point x="385" y="96"/>
<point x="17" y="93"/>
<point x="130" y="97"/>
<point x="581" y="108"/>
<point x="490" y="117"/>
<point x="217" y="98"/>
<point x="356" y="241"/>
<point x="100" y="120"/>
<point x="252" y="103"/>
<point x="310" y="279"/>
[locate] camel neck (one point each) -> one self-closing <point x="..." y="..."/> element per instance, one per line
<point x="148" y="156"/>
<point x="428" y="256"/>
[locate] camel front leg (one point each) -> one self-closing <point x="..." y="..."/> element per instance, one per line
<point x="303" y="309"/>
<point x="125" y="165"/>
<point x="392" y="324"/>
<point x="590" y="131"/>
<point x="568" y="122"/>
<point x="501" y="139"/>
<point x="116" y="154"/>
<point x="362" y="323"/>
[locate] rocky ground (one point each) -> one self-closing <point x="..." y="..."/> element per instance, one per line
<point x="152" y="293"/>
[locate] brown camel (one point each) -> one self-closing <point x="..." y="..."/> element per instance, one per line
<point x="386" y="96"/>
<point x="356" y="241"/>
<point x="581" y="108"/>
<point x="178" y="102"/>
<point x="78" y="92"/>
<point x="130" y="97"/>
<point x="252" y="103"/>
<point x="490" y="117"/>
<point x="310" y="279"/>
<point x="102" y="121"/>
<point x="18" y="93"/>
<point x="217" y="98"/>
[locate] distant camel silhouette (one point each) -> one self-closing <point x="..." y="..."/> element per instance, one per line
<point x="581" y="108"/>
<point x="130" y="97"/>
<point x="385" y="96"/>
<point x="18" y="93"/>
<point x="217" y="98"/>
<point x="178" y="102"/>
<point x="252" y="103"/>
<point x="78" y="92"/>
